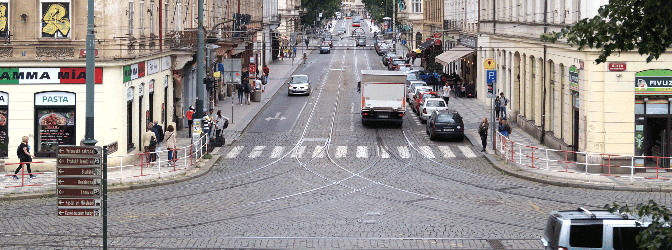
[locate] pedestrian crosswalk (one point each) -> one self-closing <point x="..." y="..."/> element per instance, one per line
<point x="360" y="152"/>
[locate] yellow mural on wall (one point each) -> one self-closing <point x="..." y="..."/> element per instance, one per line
<point x="55" y="20"/>
<point x="3" y="17"/>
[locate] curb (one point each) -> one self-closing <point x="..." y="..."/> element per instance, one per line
<point x="536" y="178"/>
<point x="132" y="186"/>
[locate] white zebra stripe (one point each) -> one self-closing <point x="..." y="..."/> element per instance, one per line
<point x="447" y="153"/>
<point x="466" y="151"/>
<point x="426" y="151"/>
<point x="318" y="152"/>
<point x="404" y="152"/>
<point x="256" y="152"/>
<point x="383" y="153"/>
<point x="298" y="152"/>
<point x="234" y="152"/>
<point x="341" y="151"/>
<point x="362" y="152"/>
<point x="277" y="151"/>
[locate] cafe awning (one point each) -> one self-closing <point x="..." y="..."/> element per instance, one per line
<point x="453" y="54"/>
<point x="426" y="44"/>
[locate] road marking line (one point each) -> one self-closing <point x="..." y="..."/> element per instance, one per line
<point x="298" y="152"/>
<point x="318" y="152"/>
<point x="404" y="152"/>
<point x="383" y="153"/>
<point x="447" y="153"/>
<point x="234" y="152"/>
<point x="466" y="151"/>
<point x="341" y="151"/>
<point x="362" y="152"/>
<point x="426" y="151"/>
<point x="277" y="151"/>
<point x="256" y="152"/>
<point x="535" y="207"/>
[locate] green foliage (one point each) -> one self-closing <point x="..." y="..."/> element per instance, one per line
<point x="659" y="234"/>
<point x="621" y="26"/>
<point x="328" y="8"/>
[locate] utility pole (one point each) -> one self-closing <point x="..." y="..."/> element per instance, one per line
<point x="200" y="70"/>
<point x="90" y="75"/>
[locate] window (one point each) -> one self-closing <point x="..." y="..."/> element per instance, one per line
<point x="4" y="14"/>
<point x="131" y="15"/>
<point x="551" y="99"/>
<point x="54" y="122"/>
<point x="55" y="17"/>
<point x="129" y="120"/>
<point x="4" y="119"/>
<point x="417" y="6"/>
<point x="142" y="18"/>
<point x="151" y="18"/>
<point x="624" y="237"/>
<point x="177" y="18"/>
<point x="589" y="236"/>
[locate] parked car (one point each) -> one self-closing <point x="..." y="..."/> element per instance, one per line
<point x="404" y="67"/>
<point x="325" y="48"/>
<point x="410" y="76"/>
<point x="382" y="49"/>
<point x="419" y="99"/>
<point x="299" y="84"/>
<point x="394" y="63"/>
<point x="430" y="105"/>
<point x="341" y="30"/>
<point x="361" y="42"/>
<point x="591" y="229"/>
<point x="417" y="89"/>
<point x="445" y="123"/>
<point x="386" y="57"/>
<point x="410" y="88"/>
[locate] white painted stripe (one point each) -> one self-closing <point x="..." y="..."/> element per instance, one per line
<point x="384" y="154"/>
<point x="234" y="152"/>
<point x="341" y="151"/>
<point x="362" y="152"/>
<point x="426" y="151"/>
<point x="298" y="152"/>
<point x="404" y="152"/>
<point x="466" y="151"/>
<point x="447" y="153"/>
<point x="256" y="152"/>
<point x="318" y="152"/>
<point x="277" y="151"/>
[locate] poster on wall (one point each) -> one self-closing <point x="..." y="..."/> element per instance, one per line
<point x="55" y="122"/>
<point x="4" y="139"/>
<point x="653" y="82"/>
<point x="574" y="78"/>
<point x="56" y="19"/>
<point x="4" y="19"/>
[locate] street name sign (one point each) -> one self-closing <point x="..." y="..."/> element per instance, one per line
<point x="79" y="212"/>
<point x="79" y="171"/>
<point x="78" y="192"/>
<point x="78" y="180"/>
<point x="78" y="202"/>
<point x="79" y="161"/>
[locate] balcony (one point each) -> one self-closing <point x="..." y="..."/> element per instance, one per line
<point x="182" y="40"/>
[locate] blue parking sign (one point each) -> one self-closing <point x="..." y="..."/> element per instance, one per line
<point x="491" y="76"/>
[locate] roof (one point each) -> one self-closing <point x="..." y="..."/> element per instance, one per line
<point x="580" y="215"/>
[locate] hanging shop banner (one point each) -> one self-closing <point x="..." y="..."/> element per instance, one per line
<point x="165" y="63"/>
<point x="653" y="82"/>
<point x="153" y="66"/>
<point x="574" y="78"/>
<point x="47" y="76"/>
<point x="134" y="71"/>
<point x="4" y="139"/>
<point x="55" y="122"/>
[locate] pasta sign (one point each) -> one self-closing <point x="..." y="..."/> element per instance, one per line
<point x="47" y="76"/>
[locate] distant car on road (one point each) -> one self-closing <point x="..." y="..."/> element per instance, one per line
<point x="361" y="41"/>
<point x="299" y="85"/>
<point x="445" y="123"/>
<point x="325" y="48"/>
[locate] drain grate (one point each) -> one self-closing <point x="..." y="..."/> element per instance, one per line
<point x="496" y="244"/>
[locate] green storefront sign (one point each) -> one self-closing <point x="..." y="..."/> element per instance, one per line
<point x="653" y="82"/>
<point x="574" y="78"/>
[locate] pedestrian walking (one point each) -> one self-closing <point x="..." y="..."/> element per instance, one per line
<point x="23" y="152"/>
<point x="221" y="122"/>
<point x="190" y="118"/>
<point x="294" y="52"/>
<point x="408" y="56"/>
<point x="170" y="142"/>
<point x="497" y="104"/>
<point x="446" y="93"/>
<point x="502" y="105"/>
<point x="247" y="89"/>
<point x="158" y="132"/>
<point x="505" y="128"/>
<point x="147" y="143"/>
<point x="413" y="56"/>
<point x="483" y="132"/>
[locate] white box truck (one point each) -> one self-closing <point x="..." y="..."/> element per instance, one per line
<point x="383" y="96"/>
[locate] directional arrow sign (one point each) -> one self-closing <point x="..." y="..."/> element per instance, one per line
<point x="86" y="192"/>
<point x="92" y="171"/>
<point x="80" y="150"/>
<point x="83" y="212"/>
<point x="79" y="161"/>
<point x="277" y="117"/>
<point x="78" y="181"/>
<point x="86" y="202"/>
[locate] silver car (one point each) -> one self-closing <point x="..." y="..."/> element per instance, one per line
<point x="299" y="85"/>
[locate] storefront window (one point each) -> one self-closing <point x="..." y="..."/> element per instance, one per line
<point x="129" y="120"/>
<point x="639" y="108"/>
<point x="656" y="108"/>
<point x="55" y="122"/>
<point x="4" y="139"/>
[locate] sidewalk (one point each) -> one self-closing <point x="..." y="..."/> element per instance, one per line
<point x="133" y="176"/>
<point x="473" y="111"/>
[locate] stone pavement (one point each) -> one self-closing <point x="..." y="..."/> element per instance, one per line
<point x="473" y="111"/>
<point x="134" y="176"/>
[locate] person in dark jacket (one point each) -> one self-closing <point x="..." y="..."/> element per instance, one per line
<point x="483" y="132"/>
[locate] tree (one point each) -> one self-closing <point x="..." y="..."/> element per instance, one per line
<point x="659" y="234"/>
<point x="328" y="8"/>
<point x="621" y="26"/>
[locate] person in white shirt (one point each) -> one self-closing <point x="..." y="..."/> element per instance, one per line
<point x="446" y="93"/>
<point x="220" y="121"/>
<point x="257" y="84"/>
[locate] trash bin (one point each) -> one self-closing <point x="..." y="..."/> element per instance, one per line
<point x="229" y="89"/>
<point x="256" y="96"/>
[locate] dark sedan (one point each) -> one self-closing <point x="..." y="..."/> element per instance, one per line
<point x="445" y="123"/>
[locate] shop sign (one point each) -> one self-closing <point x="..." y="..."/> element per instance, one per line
<point x="55" y="99"/>
<point x="134" y="71"/>
<point x="47" y="75"/>
<point x="468" y="41"/>
<point x="82" y="52"/>
<point x="141" y="90"/>
<point x="151" y="86"/>
<point x="153" y="66"/>
<point x="574" y="78"/>
<point x="112" y="147"/>
<point x="129" y="94"/>
<point x="165" y="63"/>
<point x="617" y="66"/>
<point x="4" y="97"/>
<point x="653" y="82"/>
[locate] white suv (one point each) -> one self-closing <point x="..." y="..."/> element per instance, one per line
<point x="583" y="229"/>
<point x="429" y="105"/>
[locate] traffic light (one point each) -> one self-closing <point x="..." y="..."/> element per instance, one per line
<point x="209" y="82"/>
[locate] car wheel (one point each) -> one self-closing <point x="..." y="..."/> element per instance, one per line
<point x="461" y="138"/>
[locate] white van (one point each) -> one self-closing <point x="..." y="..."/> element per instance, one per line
<point x="582" y="229"/>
